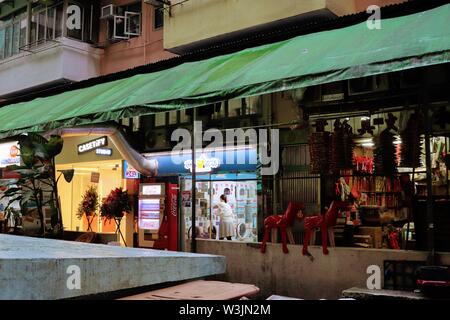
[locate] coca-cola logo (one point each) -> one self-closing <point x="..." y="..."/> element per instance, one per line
<point x="174" y="206"/>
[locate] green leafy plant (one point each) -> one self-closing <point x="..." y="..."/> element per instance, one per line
<point x="89" y="203"/>
<point x="37" y="185"/>
<point x="116" y="204"/>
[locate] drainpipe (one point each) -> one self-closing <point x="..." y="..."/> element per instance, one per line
<point x="147" y="167"/>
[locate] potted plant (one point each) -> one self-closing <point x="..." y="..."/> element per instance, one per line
<point x="88" y="206"/>
<point x="115" y="206"/>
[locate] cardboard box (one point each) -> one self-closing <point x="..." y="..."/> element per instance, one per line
<point x="376" y="234"/>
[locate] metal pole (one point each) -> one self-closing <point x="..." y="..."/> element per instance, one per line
<point x="430" y="218"/>
<point x="193" y="191"/>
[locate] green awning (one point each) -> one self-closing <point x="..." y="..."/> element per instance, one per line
<point x="411" y="41"/>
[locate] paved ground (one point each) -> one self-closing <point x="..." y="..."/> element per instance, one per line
<point x="34" y="268"/>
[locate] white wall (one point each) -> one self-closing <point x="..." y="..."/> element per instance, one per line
<point x="68" y="59"/>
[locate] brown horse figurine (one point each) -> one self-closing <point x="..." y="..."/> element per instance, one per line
<point x="284" y="223"/>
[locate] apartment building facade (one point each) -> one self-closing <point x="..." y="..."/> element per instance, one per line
<point x="45" y="44"/>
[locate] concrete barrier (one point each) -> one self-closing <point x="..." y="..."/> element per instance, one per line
<point x="295" y="275"/>
<point x="35" y="268"/>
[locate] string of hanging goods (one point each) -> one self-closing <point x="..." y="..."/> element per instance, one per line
<point x="319" y="145"/>
<point x="341" y="146"/>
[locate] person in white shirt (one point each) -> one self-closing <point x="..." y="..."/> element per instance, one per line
<point x="227" y="219"/>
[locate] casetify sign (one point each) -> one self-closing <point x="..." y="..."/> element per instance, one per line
<point x="106" y="152"/>
<point x="92" y="145"/>
<point x="9" y="154"/>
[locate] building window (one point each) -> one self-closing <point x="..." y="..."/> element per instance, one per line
<point x="235" y="108"/>
<point x="160" y="119"/>
<point x="158" y="21"/>
<point x="173" y="117"/>
<point x="46" y="23"/>
<point x="184" y="117"/>
<point x="77" y="33"/>
<point x="89" y="24"/>
<point x="244" y="106"/>
<point x="13" y="31"/>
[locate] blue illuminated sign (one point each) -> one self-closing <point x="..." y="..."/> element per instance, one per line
<point x="207" y="162"/>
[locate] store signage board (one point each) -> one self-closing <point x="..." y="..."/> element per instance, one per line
<point x="104" y="152"/>
<point x="213" y="163"/>
<point x="152" y="190"/>
<point x="9" y="154"/>
<point x="129" y="172"/>
<point x="203" y="164"/>
<point x="92" y="145"/>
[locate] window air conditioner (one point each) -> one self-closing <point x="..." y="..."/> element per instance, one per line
<point x="117" y="28"/>
<point x="108" y="12"/>
<point x="132" y="23"/>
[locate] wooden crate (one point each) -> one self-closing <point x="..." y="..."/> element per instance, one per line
<point x="363" y="239"/>
<point x="376" y="234"/>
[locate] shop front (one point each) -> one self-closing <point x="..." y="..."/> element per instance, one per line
<point x="231" y="172"/>
<point x="392" y="156"/>
<point x="96" y="162"/>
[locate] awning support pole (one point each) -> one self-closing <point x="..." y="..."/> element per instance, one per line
<point x="430" y="217"/>
<point x="194" y="180"/>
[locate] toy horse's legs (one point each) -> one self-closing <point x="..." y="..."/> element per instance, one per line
<point x="331" y="236"/>
<point x="324" y="232"/>
<point x="265" y="239"/>
<point x="313" y="237"/>
<point x="290" y="235"/>
<point x="284" y="240"/>
<point x="274" y="235"/>
<point x="306" y="239"/>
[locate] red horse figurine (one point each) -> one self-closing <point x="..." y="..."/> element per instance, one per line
<point x="326" y="223"/>
<point x="284" y="222"/>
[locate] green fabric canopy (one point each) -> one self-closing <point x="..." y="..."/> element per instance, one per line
<point x="405" y="42"/>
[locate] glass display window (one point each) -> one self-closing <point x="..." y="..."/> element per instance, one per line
<point x="242" y="198"/>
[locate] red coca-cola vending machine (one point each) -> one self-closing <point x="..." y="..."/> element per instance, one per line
<point x="158" y="216"/>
